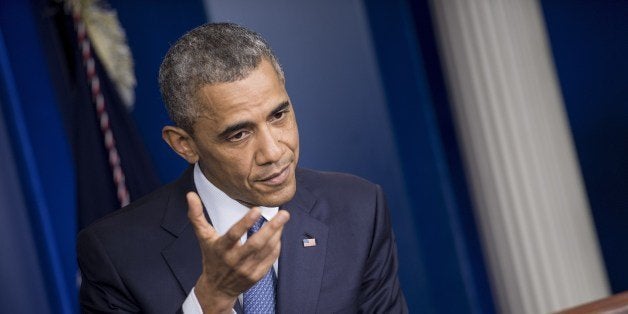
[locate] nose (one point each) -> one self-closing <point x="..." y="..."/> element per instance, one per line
<point x="269" y="149"/>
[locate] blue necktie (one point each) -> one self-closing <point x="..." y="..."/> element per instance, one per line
<point x="260" y="298"/>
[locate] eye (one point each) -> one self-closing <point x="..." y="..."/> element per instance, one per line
<point x="239" y="136"/>
<point x="279" y="115"/>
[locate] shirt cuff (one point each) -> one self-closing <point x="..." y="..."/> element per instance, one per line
<point x="192" y="306"/>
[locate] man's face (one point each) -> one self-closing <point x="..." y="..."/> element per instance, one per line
<point x="247" y="139"/>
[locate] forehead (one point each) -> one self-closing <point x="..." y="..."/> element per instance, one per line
<point x="260" y="91"/>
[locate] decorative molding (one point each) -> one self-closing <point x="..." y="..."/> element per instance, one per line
<point x="537" y="232"/>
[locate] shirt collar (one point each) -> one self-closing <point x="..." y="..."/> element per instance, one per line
<point x="223" y="211"/>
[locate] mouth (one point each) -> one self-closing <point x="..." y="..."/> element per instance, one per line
<point x="276" y="178"/>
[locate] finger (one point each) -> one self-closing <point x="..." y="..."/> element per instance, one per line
<point x="268" y="247"/>
<point x="236" y="232"/>
<point x="259" y="266"/>
<point x="258" y="252"/>
<point x="263" y="248"/>
<point x="268" y="235"/>
<point x="280" y="219"/>
<point x="273" y="226"/>
<point x="196" y="215"/>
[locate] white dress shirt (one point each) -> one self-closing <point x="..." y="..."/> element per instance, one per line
<point x="224" y="212"/>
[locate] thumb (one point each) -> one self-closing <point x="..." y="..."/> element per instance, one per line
<point x="196" y="215"/>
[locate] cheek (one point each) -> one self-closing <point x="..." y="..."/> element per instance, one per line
<point x="239" y="166"/>
<point x="290" y="134"/>
<point x="294" y="138"/>
<point x="229" y="166"/>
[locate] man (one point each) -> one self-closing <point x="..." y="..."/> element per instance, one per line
<point x="325" y="243"/>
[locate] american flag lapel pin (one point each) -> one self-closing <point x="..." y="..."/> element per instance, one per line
<point x="309" y="241"/>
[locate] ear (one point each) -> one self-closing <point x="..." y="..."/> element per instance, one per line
<point x="181" y="142"/>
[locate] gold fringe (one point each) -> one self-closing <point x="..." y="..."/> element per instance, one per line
<point x="110" y="44"/>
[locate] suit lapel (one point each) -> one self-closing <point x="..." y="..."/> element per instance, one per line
<point x="183" y="254"/>
<point x="184" y="259"/>
<point x="301" y="268"/>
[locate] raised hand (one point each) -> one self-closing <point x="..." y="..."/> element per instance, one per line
<point x="229" y="267"/>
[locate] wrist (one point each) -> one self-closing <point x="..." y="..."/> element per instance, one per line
<point x="213" y="300"/>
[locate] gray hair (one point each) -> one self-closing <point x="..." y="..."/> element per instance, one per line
<point x="211" y="53"/>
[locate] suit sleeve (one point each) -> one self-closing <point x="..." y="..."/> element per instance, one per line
<point x="380" y="291"/>
<point x="102" y="289"/>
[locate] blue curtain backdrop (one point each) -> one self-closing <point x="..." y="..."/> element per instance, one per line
<point x="64" y="169"/>
<point x="19" y="270"/>
<point x="42" y="159"/>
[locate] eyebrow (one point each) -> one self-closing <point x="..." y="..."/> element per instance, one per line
<point x="249" y="124"/>
<point x="283" y="106"/>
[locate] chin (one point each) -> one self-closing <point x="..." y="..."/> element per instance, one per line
<point x="278" y="198"/>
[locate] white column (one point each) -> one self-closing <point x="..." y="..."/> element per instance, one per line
<point x="537" y="232"/>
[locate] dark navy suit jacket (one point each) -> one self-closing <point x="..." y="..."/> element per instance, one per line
<point x="146" y="258"/>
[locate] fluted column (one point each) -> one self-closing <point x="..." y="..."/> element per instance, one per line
<point x="531" y="207"/>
